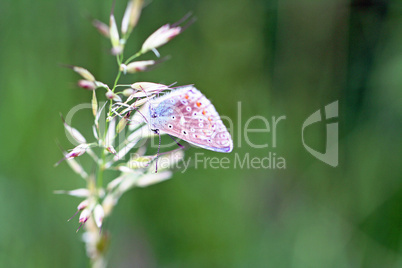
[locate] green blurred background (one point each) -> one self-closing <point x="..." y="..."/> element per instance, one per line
<point x="279" y="57"/>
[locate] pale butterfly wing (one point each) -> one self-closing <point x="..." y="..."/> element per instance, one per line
<point x="187" y="114"/>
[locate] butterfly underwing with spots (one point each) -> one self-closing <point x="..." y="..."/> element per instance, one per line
<point x="187" y="114"/>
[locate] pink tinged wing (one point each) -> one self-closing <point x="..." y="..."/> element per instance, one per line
<point x="187" y="114"/>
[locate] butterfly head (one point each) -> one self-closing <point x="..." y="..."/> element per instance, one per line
<point x="153" y="117"/>
<point x="152" y="112"/>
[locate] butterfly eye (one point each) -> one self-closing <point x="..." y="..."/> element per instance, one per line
<point x="188" y="109"/>
<point x="184" y="132"/>
<point x="170" y="126"/>
<point x="209" y="140"/>
<point x="192" y="130"/>
<point x="154" y="115"/>
<point x="173" y="117"/>
<point x="195" y="114"/>
<point x="201" y="125"/>
<point x="200" y="119"/>
<point x="184" y="102"/>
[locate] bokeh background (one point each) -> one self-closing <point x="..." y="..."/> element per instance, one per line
<point x="279" y="57"/>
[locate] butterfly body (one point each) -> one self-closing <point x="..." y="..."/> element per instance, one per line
<point x="187" y="114"/>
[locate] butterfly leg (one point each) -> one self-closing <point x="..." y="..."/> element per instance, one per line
<point x="181" y="146"/>
<point x="159" y="146"/>
<point x="156" y="131"/>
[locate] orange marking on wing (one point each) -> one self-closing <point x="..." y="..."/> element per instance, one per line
<point x="186" y="97"/>
<point x="209" y="118"/>
<point x="198" y="104"/>
<point x="207" y="132"/>
<point x="204" y="112"/>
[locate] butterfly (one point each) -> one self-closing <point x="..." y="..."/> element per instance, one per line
<point x="188" y="115"/>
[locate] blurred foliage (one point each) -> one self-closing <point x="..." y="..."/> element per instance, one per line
<point x="280" y="57"/>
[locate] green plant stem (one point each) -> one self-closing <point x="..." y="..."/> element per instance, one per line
<point x="101" y="162"/>
<point x="116" y="80"/>
<point x="119" y="59"/>
<point x="136" y="55"/>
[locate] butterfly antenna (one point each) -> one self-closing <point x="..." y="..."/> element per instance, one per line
<point x="146" y="95"/>
<point x="157" y="154"/>
<point x="137" y="110"/>
<point x="132" y="106"/>
<point x="149" y="101"/>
